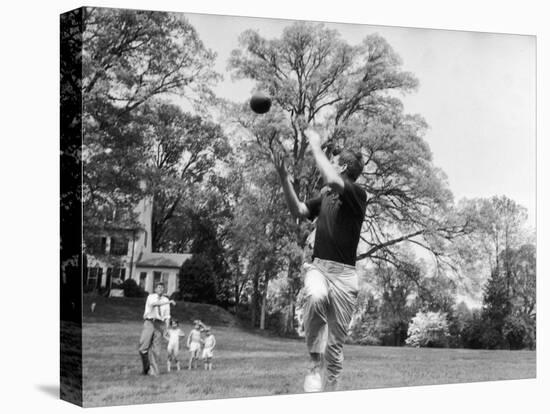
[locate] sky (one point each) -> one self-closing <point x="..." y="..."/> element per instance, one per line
<point x="476" y="92"/>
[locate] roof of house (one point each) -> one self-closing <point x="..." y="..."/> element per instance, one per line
<point x="172" y="260"/>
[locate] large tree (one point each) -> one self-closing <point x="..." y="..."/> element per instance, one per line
<point x="396" y="287"/>
<point x="523" y="267"/>
<point x="509" y="302"/>
<point x="498" y="224"/>
<point x="182" y="151"/>
<point x="129" y="57"/>
<point x="260" y="245"/>
<point x="350" y="92"/>
<point x="497" y="255"/>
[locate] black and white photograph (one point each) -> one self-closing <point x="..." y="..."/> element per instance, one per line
<point x="271" y="207"/>
<point x="276" y="206"/>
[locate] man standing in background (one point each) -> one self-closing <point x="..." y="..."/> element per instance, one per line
<point x="156" y="318"/>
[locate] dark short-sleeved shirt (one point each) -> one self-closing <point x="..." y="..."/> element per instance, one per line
<point x="339" y="220"/>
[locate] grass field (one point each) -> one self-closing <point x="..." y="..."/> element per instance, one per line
<point x="250" y="364"/>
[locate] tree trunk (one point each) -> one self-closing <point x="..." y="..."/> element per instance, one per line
<point x="253" y="311"/>
<point x="264" y="305"/>
<point x="291" y="308"/>
<point x="254" y="304"/>
<point x="237" y="294"/>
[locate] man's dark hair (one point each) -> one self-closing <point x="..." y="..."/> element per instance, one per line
<point x="159" y="284"/>
<point x="353" y="160"/>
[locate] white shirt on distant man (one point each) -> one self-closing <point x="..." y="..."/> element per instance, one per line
<point x="157" y="312"/>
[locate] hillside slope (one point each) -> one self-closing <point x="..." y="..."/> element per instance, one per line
<point x="131" y="309"/>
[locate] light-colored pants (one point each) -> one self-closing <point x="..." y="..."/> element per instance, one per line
<point x="150" y="341"/>
<point x="173" y="351"/>
<point x="195" y="349"/>
<point x="330" y="293"/>
<point x="207" y="353"/>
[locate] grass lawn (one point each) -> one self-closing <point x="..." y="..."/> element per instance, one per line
<point x="249" y="364"/>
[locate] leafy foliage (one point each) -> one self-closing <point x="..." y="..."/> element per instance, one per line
<point x="130" y="57"/>
<point x="132" y="290"/>
<point x="497" y="307"/>
<point x="182" y="151"/>
<point x="366" y="329"/>
<point x="385" y="305"/>
<point x="458" y="318"/>
<point x="428" y="329"/>
<point x="197" y="280"/>
<point x="509" y="311"/>
<point x="315" y="77"/>
<point x="472" y="334"/>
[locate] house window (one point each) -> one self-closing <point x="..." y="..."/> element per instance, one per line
<point x="159" y="277"/>
<point x="109" y="281"/>
<point x="119" y="273"/>
<point x="94" y="277"/>
<point x="156" y="278"/>
<point x="99" y="276"/>
<point x="119" y="246"/>
<point x="96" y="245"/>
<point x="116" y="274"/>
<point x="142" y="280"/>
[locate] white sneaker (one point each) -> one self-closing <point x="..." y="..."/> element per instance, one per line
<point x="313" y="381"/>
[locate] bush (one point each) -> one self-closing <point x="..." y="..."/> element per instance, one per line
<point x="276" y="322"/>
<point x="457" y="319"/>
<point x="365" y="332"/>
<point x="393" y="331"/>
<point x="428" y="329"/>
<point x="492" y="337"/>
<point x="177" y="296"/>
<point x="519" y="332"/>
<point x="242" y="312"/>
<point x="197" y="280"/>
<point x="472" y="333"/>
<point x="132" y="290"/>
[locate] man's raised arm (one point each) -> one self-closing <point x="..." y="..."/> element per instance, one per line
<point x="297" y="207"/>
<point x="331" y="177"/>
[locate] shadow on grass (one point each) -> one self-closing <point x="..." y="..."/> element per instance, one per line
<point x="49" y="389"/>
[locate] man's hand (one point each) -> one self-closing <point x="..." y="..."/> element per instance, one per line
<point x="297" y="208"/>
<point x="279" y="161"/>
<point x="173" y="302"/>
<point x="314" y="138"/>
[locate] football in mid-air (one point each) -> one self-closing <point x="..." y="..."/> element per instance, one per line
<point x="260" y="103"/>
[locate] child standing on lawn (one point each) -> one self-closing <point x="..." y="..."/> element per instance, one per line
<point x="208" y="351"/>
<point x="194" y="344"/>
<point x="173" y="334"/>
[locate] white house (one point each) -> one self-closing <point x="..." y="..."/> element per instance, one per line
<point x="118" y="253"/>
<point x="159" y="267"/>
